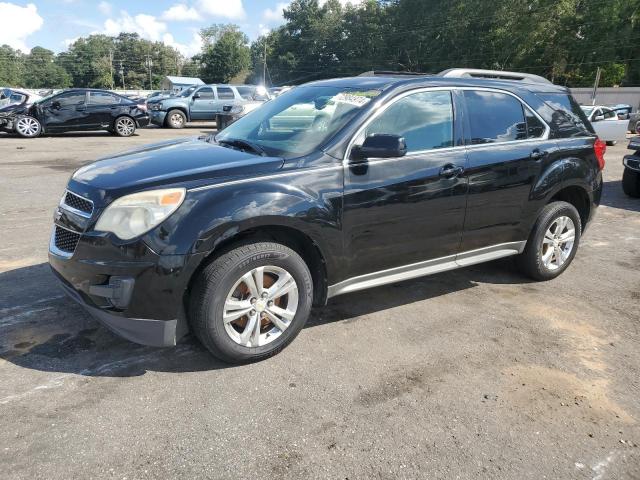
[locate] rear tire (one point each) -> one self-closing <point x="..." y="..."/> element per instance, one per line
<point x="175" y="119"/>
<point x="27" y="127"/>
<point x="230" y="285"/>
<point x="611" y="143"/>
<point x="124" y="126"/>
<point x="631" y="183"/>
<point x="553" y="242"/>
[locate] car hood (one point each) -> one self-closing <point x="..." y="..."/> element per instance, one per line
<point x="14" y="109"/>
<point x="188" y="162"/>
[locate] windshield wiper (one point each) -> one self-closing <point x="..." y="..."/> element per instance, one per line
<point x="243" y="145"/>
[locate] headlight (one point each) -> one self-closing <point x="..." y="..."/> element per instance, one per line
<point x="133" y="215"/>
<point x="156" y="106"/>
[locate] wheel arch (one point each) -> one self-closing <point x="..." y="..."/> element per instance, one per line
<point x="577" y="196"/>
<point x="182" y="109"/>
<point x="294" y="238"/>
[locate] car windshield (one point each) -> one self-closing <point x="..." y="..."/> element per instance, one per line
<point x="299" y="121"/>
<point x="187" y="92"/>
<point x="587" y="110"/>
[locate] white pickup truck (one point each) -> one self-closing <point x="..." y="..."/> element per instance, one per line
<point x="606" y="123"/>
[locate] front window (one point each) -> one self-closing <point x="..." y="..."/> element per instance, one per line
<point x="299" y="121"/>
<point x="187" y="92"/>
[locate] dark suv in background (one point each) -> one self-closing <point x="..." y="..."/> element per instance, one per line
<point x="76" y="110"/>
<point x="333" y="187"/>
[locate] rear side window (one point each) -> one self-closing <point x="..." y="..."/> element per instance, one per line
<point x="246" y="92"/>
<point x="103" y="98"/>
<point x="566" y="118"/>
<point x="225" y="93"/>
<point x="495" y="117"/>
<point x="609" y="113"/>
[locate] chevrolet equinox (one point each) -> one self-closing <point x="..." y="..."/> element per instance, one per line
<point x="333" y="187"/>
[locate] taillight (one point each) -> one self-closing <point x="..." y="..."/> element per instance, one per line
<point x="599" y="147"/>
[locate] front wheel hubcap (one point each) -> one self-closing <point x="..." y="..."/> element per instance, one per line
<point x="260" y="306"/>
<point x="557" y="243"/>
<point x="176" y="119"/>
<point x="27" y="126"/>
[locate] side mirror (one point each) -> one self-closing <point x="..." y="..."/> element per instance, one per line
<point x="380" y="145"/>
<point x="598" y="118"/>
<point x="196" y="95"/>
<point x="56" y="105"/>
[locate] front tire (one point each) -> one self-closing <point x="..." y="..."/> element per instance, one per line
<point x="124" y="126"/>
<point x="28" y="127"/>
<point x="176" y="119"/>
<point x="251" y="302"/>
<point x="631" y="183"/>
<point x="553" y="243"/>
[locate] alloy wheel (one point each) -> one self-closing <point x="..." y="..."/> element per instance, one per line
<point x="125" y="127"/>
<point x="27" y="127"/>
<point x="260" y="306"/>
<point x="176" y="119"/>
<point x="557" y="243"/>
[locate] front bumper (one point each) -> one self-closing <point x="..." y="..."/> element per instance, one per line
<point x="128" y="287"/>
<point x="157" y="117"/>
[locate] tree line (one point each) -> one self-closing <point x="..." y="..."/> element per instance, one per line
<point x="566" y="41"/>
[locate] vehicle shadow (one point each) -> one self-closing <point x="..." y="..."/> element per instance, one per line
<point x="613" y="196"/>
<point x="43" y="330"/>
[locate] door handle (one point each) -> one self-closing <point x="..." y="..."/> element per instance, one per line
<point x="537" y="154"/>
<point x="450" y="170"/>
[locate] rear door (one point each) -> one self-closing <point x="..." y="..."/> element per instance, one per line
<point x="225" y="97"/>
<point x="507" y="147"/>
<point x="203" y="104"/>
<point x="101" y="107"/>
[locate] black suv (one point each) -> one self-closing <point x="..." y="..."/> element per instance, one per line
<point x="335" y="186"/>
<point x="75" y="110"/>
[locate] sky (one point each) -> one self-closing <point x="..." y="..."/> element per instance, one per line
<point x="54" y="24"/>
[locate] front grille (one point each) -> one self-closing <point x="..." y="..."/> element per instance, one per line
<point x="65" y="240"/>
<point x="78" y="203"/>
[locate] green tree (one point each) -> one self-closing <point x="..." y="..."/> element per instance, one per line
<point x="42" y="71"/>
<point x="225" y="54"/>
<point x="11" y="66"/>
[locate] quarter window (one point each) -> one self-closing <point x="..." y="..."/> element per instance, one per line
<point x="225" y="93"/>
<point x="424" y="119"/>
<point x="495" y="117"/>
<point x="206" y="92"/>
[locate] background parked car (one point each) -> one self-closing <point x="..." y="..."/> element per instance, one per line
<point x="606" y="123"/>
<point x="11" y="99"/>
<point x="202" y="103"/>
<point x="625" y="112"/>
<point x="74" y="110"/>
<point x="631" y="175"/>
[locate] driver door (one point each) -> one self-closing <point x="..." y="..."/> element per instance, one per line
<point x="203" y="104"/>
<point x="66" y="111"/>
<point x="401" y="211"/>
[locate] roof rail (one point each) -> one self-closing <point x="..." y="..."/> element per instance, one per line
<point x="391" y="73"/>
<point x="497" y="74"/>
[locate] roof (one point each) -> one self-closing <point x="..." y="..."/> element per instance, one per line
<point x="383" y="82"/>
<point x="185" y="80"/>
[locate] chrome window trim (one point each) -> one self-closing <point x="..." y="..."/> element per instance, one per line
<point x="382" y="108"/>
<point x="69" y="208"/>
<point x="428" y="267"/>
<point x="52" y="243"/>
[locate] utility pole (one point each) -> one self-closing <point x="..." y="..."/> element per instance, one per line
<point x="595" y="86"/>
<point x="111" y="67"/>
<point x="122" y="75"/>
<point x="149" y="65"/>
<point x="264" y="65"/>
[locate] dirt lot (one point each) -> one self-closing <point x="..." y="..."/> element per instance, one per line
<point x="471" y="374"/>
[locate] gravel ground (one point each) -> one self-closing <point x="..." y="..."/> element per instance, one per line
<point x="476" y="373"/>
